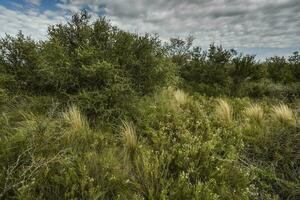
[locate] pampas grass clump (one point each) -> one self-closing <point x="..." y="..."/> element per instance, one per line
<point x="74" y="117"/>
<point x="224" y="111"/>
<point x="255" y="113"/>
<point x="284" y="114"/>
<point x="180" y="96"/>
<point x="129" y="138"/>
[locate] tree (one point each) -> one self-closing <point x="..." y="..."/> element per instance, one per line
<point x="294" y="61"/>
<point x="243" y="68"/>
<point x="19" y="57"/>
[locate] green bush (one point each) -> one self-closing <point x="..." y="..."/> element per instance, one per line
<point x="48" y="159"/>
<point x="287" y="92"/>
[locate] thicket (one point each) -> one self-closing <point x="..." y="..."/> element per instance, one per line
<point x="218" y="71"/>
<point x="94" y="112"/>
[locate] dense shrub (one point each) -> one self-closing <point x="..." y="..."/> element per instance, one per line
<point x="83" y="57"/>
<point x="52" y="159"/>
<point x="176" y="147"/>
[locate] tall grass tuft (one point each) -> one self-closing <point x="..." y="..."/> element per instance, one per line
<point x="129" y="138"/>
<point x="74" y="117"/>
<point x="224" y="111"/>
<point x="284" y="114"/>
<point x="255" y="113"/>
<point x="180" y="96"/>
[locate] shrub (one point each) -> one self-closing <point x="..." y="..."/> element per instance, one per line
<point x="265" y="87"/>
<point x="3" y="96"/>
<point x="195" y="152"/>
<point x="41" y="161"/>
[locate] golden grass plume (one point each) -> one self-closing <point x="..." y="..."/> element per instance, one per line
<point x="223" y="111"/>
<point x="129" y="137"/>
<point x="255" y="113"/>
<point x="180" y="96"/>
<point x="74" y="117"/>
<point x="284" y="114"/>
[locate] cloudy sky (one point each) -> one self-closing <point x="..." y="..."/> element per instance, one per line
<point x="261" y="27"/>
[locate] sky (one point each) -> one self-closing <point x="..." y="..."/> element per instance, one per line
<point x="258" y="27"/>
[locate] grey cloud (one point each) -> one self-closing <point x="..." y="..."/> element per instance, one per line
<point x="228" y="13"/>
<point x="233" y="23"/>
<point x="282" y="5"/>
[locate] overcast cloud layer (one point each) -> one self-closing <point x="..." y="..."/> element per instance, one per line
<point x="244" y="24"/>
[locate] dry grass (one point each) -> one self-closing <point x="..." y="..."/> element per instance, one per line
<point x="180" y="96"/>
<point x="255" y="113"/>
<point x="284" y="114"/>
<point x="74" y="117"/>
<point x="129" y="138"/>
<point x="224" y="111"/>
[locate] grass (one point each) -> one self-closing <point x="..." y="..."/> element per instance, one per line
<point x="129" y="138"/>
<point x="223" y="111"/>
<point x="180" y="96"/>
<point x="284" y="114"/>
<point x="74" y="117"/>
<point x="255" y="113"/>
<point x="157" y="163"/>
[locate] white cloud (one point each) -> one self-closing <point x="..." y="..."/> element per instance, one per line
<point x="31" y="22"/>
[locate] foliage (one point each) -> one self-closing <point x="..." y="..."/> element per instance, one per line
<point x="94" y="112"/>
